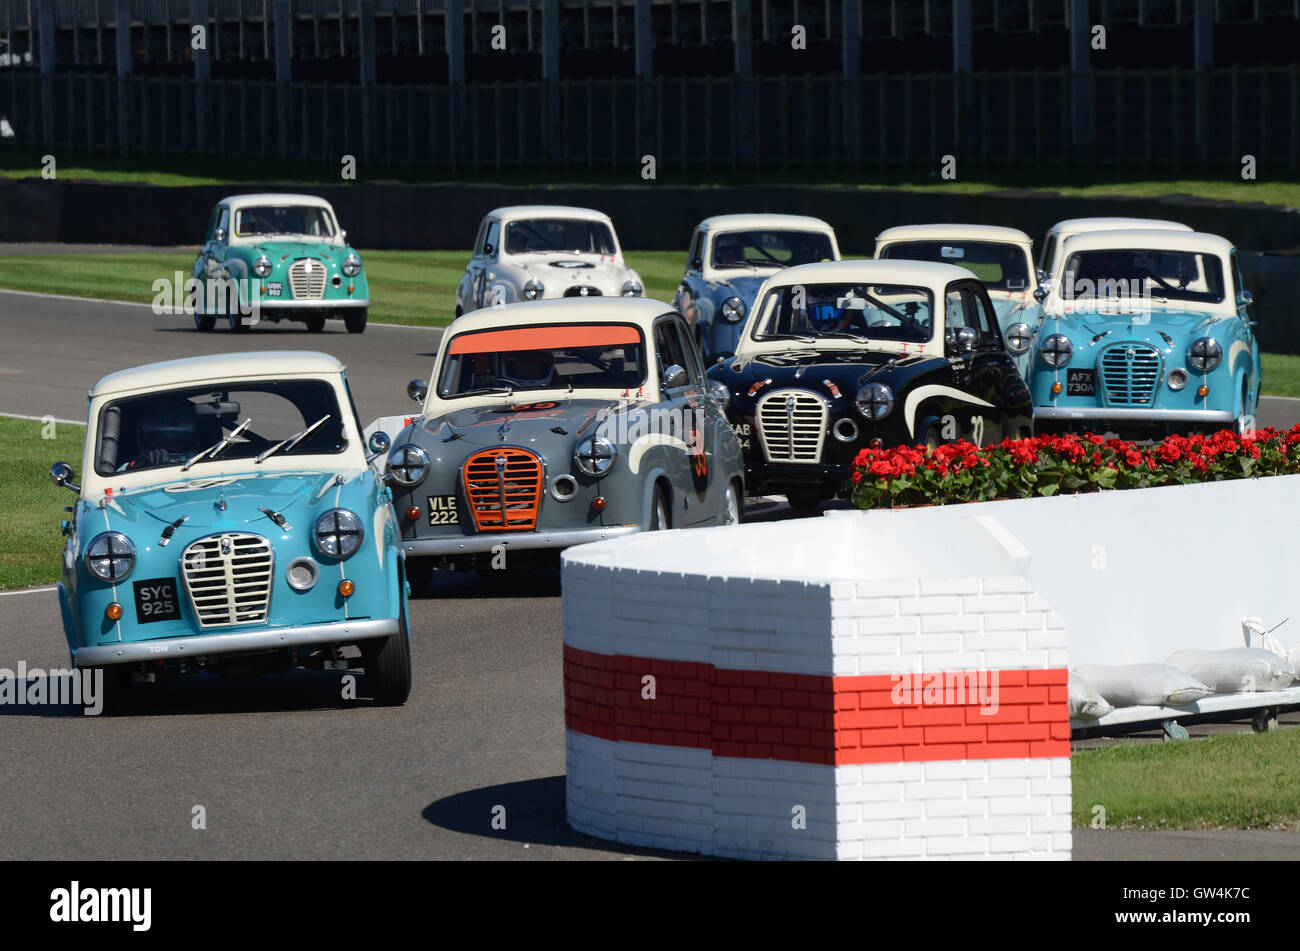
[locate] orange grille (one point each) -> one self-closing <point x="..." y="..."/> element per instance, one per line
<point x="504" y="487"/>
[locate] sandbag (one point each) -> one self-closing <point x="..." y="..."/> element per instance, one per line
<point x="1085" y="702"/>
<point x="1132" y="685"/>
<point x="1235" y="670"/>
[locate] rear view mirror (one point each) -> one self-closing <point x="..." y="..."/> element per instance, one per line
<point x="417" y="390"/>
<point x="674" y="376"/>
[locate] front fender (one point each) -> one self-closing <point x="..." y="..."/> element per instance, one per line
<point x="652" y="479"/>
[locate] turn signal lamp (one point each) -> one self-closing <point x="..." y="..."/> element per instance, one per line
<point x="1056" y="388"/>
<point x="113" y="612"/>
<point x="598" y="503"/>
<point x="346" y="588"/>
<point x="1202" y="390"/>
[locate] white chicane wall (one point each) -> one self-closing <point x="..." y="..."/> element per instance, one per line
<point x="751" y="702"/>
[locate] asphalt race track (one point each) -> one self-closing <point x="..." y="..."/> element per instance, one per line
<point x="283" y="766"/>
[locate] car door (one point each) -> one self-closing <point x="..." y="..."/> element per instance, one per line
<point x="690" y="499"/>
<point x="214" y="256"/>
<point x="468" y="289"/>
<point x="692" y="286"/>
<point x="1247" y="331"/>
<point x="704" y="416"/>
<point x="991" y="374"/>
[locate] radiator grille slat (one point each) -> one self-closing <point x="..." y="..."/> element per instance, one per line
<point x="231" y="586"/>
<point x="503" y="498"/>
<point x="1130" y="374"/>
<point x="307" y="279"/>
<point x="792" y="425"/>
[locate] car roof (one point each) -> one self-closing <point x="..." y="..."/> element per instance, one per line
<point x="887" y="271"/>
<point x="745" y="221"/>
<point x="217" y="367"/>
<point x="641" y="311"/>
<point x="957" y="232"/>
<point x="547" y="211"/>
<point x="274" y="198"/>
<point x="1150" y="239"/>
<point x="1080" y="225"/>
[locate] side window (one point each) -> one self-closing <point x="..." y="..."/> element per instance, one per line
<point x="1236" y="274"/>
<point x="668" y="346"/>
<point x="223" y="222"/>
<point x="492" y="243"/>
<point x="697" y="248"/>
<point x="979" y="315"/>
<point x="954" y="310"/>
<point x="694" y="364"/>
<point x="1045" y="256"/>
<point x="212" y="222"/>
<point x="478" y="241"/>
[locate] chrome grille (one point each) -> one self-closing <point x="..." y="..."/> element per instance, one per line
<point x="1130" y="372"/>
<point x="792" y="425"/>
<point x="582" y="290"/>
<point x="228" y="578"/>
<point x="504" y="488"/>
<point x="307" y="279"/>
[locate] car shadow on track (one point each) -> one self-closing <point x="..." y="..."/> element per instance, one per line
<point x="533" y="813"/>
<point x="491" y="584"/>
<point x="297" y="691"/>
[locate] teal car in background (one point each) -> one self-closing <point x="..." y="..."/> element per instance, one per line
<point x="278" y="257"/>
<point x="228" y="519"/>
<point x="1145" y="333"/>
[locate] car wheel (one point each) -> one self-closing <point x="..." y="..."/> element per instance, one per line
<point x="237" y="325"/>
<point x="805" y="501"/>
<point x="204" y="323"/>
<point x="115" y="690"/>
<point x="419" y="575"/>
<point x="387" y="663"/>
<point x="733" y="504"/>
<point x="355" y="321"/>
<point x="659" y="519"/>
<point x="1241" y="416"/>
<point x="315" y="324"/>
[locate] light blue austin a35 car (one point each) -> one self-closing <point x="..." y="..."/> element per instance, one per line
<point x="1145" y="333"/>
<point x="228" y="519"/>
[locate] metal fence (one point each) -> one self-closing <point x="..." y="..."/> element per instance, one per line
<point x="1167" y="119"/>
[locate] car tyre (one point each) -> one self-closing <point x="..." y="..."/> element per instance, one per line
<point x="237" y="325"/>
<point x="204" y="323"/>
<point x="315" y="324"/>
<point x="733" y="504"/>
<point x="115" y="691"/>
<point x="659" y="518"/>
<point x="805" y="501"/>
<point x="387" y="663"/>
<point x="355" y="320"/>
<point x="419" y="575"/>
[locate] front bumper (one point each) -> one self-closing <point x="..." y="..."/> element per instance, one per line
<point x="473" y="544"/>
<point x="1068" y="414"/>
<point x="275" y="303"/>
<point x="210" y="645"/>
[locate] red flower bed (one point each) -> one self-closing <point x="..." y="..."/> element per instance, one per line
<point x="1046" y="465"/>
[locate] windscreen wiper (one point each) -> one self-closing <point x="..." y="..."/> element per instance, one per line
<point x="294" y="439"/>
<point x="218" y="448"/>
<point x="507" y="390"/>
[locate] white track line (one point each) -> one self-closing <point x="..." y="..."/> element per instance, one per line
<point x="42" y="419"/>
<point x="5" y="594"/>
<point x="132" y="303"/>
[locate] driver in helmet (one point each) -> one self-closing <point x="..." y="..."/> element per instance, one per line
<point x="728" y="251"/>
<point x="166" y="437"/>
<point x="530" y="368"/>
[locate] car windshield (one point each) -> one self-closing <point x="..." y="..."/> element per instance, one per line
<point x="544" y="356"/>
<point x="846" y="311"/>
<point x="170" y="427"/>
<point x="284" y="219"/>
<point x="558" y="234"/>
<point x="1143" y="275"/>
<point x="770" y="249"/>
<point x="1000" y="266"/>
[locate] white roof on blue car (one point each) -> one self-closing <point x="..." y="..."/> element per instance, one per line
<point x="219" y="367"/>
<point x="887" y="271"/>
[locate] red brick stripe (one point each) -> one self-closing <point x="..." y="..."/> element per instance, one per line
<point x="800" y="718"/>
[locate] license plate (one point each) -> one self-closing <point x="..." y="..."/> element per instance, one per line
<point x="443" y="511"/>
<point x="156" y="600"/>
<point x="274" y="288"/>
<point x="1079" y="383"/>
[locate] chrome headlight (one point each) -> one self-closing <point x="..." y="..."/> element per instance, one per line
<point x="734" y="309"/>
<point x="339" y="533"/>
<point x="262" y="266"/>
<point x="351" y="265"/>
<point x="1204" y="354"/>
<point x="595" y="456"/>
<point x="110" y="556"/>
<point x="720" y="391"/>
<point x="1018" y="337"/>
<point x="875" y="401"/>
<point x="632" y="289"/>
<point x="408" y="464"/>
<point x="533" y="289"/>
<point x="1056" y="350"/>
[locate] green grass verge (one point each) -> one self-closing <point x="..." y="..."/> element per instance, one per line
<point x="1237" y="781"/>
<point x="1281" y="374"/>
<point x="31" y="506"/>
<point x="1222" y="184"/>
<point x="408" y="287"/>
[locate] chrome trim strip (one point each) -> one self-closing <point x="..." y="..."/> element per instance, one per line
<point x="470" y="544"/>
<point x="207" y="645"/>
<point x="1102" y="413"/>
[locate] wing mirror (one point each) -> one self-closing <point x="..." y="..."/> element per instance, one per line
<point x="417" y="390"/>
<point x="219" y="235"/>
<point x="343" y="235"/>
<point x="698" y="264"/>
<point x="1040" y="293"/>
<point x="1041" y="275"/>
<point x="488" y="250"/>
<point x="378" y="443"/>
<point x="61" y="474"/>
<point x="963" y="339"/>
<point x="1245" y="298"/>
<point x="674" y="376"/>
